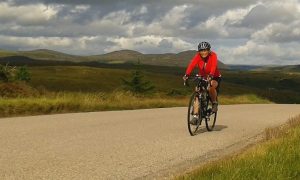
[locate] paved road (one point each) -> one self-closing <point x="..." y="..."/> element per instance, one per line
<point x="151" y="143"/>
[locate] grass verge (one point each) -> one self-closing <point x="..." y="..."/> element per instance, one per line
<point x="278" y="157"/>
<point x="243" y="99"/>
<point x="66" y="102"/>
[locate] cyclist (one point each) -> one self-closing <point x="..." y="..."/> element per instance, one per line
<point x="207" y="62"/>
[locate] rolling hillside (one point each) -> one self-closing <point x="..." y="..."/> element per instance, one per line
<point x="41" y="54"/>
<point x="168" y="59"/>
<point x="117" y="57"/>
<point x="288" y="68"/>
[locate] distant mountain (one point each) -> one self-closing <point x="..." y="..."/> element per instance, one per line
<point x="117" y="57"/>
<point x="5" y="53"/>
<point x="42" y="54"/>
<point x="122" y="56"/>
<point x="168" y="59"/>
<point x="243" y="67"/>
<point x="45" y="54"/>
<point x="289" y="68"/>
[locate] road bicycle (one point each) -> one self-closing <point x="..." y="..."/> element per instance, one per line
<point x="200" y="106"/>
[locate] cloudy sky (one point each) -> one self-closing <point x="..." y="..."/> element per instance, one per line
<point x="240" y="31"/>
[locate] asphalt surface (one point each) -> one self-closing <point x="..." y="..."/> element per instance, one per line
<point x="145" y="144"/>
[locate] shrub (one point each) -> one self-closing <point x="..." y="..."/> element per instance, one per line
<point x="175" y="92"/>
<point x="12" y="73"/>
<point x="136" y="84"/>
<point x="13" y="90"/>
<point x="7" y="73"/>
<point x="22" y="74"/>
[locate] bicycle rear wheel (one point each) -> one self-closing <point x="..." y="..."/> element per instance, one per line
<point x="211" y="117"/>
<point x="194" y="118"/>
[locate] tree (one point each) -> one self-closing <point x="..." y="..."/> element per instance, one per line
<point x="23" y="74"/>
<point x="136" y="84"/>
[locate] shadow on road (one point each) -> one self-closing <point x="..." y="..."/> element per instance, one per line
<point x="219" y="127"/>
<point x="203" y="129"/>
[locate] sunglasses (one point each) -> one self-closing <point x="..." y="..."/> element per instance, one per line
<point x="203" y="50"/>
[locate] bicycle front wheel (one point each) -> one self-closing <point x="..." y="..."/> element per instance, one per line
<point x="194" y="117"/>
<point x="211" y="117"/>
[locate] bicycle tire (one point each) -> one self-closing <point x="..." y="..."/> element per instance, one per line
<point x="193" y="128"/>
<point x="211" y="118"/>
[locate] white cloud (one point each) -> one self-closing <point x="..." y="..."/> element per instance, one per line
<point x="89" y="44"/>
<point x="142" y="10"/>
<point x="37" y="14"/>
<point x="39" y="42"/>
<point x="259" y="53"/>
<point x="166" y="25"/>
<point x="174" y="17"/>
<point x="278" y="32"/>
<point x="219" y="24"/>
<point x="252" y="48"/>
<point x="277" y="42"/>
<point x="245" y="32"/>
<point x="80" y="8"/>
<point x="148" y="42"/>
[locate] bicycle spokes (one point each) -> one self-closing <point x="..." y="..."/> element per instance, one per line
<point x="210" y="118"/>
<point x="194" y="114"/>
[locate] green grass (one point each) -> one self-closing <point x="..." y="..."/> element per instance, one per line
<point x="79" y="83"/>
<point x="64" y="102"/>
<point x="89" y="79"/>
<point x="264" y="80"/>
<point x="276" y="158"/>
<point x="67" y="102"/>
<point x="4" y="53"/>
<point x="276" y="87"/>
<point x="243" y="99"/>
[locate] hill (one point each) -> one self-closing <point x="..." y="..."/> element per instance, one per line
<point x="168" y="59"/>
<point x="236" y="67"/>
<point x="45" y="54"/>
<point x="41" y="54"/>
<point x="117" y="57"/>
<point x="289" y="68"/>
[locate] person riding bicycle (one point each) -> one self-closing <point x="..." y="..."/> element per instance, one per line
<point x="207" y="62"/>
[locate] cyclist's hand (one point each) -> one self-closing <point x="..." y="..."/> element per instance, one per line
<point x="209" y="78"/>
<point x="185" y="77"/>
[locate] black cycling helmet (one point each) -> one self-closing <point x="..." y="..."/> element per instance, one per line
<point x="203" y="46"/>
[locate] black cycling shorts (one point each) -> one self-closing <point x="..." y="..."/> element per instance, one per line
<point x="218" y="79"/>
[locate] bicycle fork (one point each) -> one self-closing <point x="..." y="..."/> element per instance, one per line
<point x="205" y="110"/>
<point x="196" y="106"/>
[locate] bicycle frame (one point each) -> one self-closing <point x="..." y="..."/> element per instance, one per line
<point x="202" y="106"/>
<point x="203" y="94"/>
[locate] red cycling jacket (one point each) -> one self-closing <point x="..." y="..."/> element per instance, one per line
<point x="208" y="68"/>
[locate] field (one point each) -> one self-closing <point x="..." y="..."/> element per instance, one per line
<point x="279" y="87"/>
<point x="60" y="89"/>
<point x="89" y="79"/>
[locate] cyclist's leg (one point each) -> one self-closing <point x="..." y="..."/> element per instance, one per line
<point x="196" y="106"/>
<point x="213" y="90"/>
<point x="219" y="80"/>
